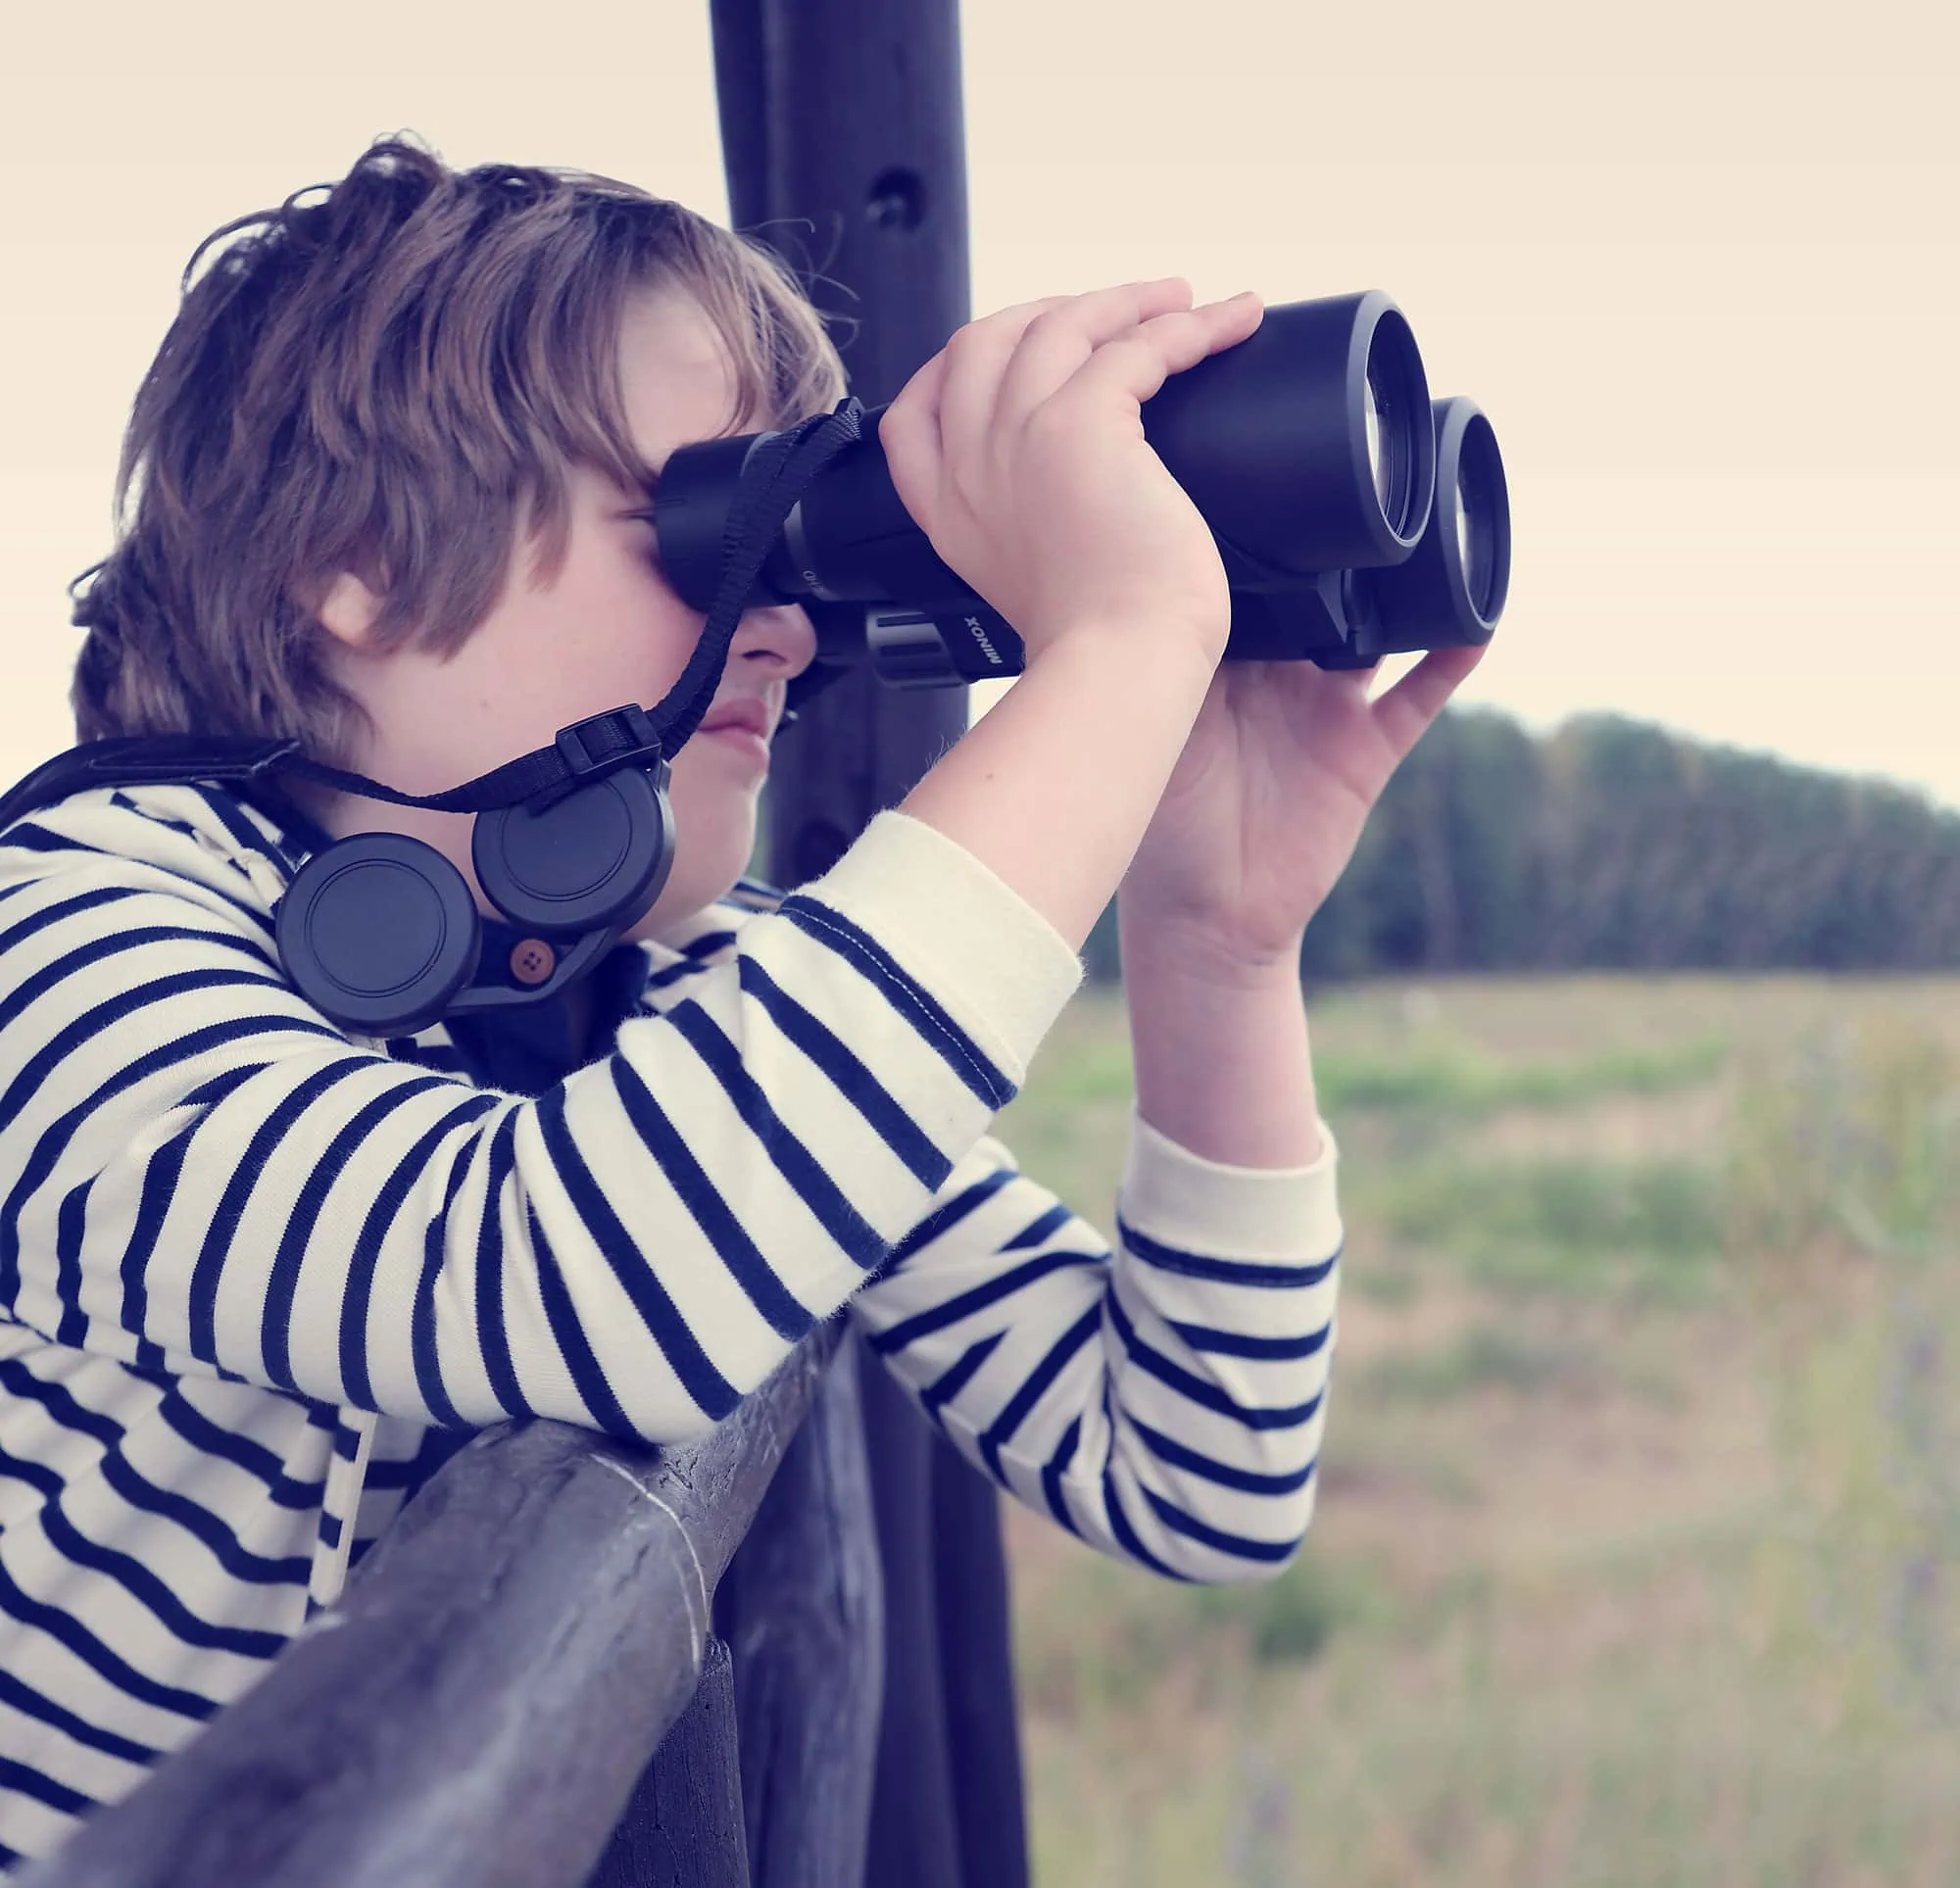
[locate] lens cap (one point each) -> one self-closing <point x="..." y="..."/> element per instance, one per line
<point x="378" y="933"/>
<point x="594" y="860"/>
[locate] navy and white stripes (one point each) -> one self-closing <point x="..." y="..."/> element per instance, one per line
<point x="258" y="1279"/>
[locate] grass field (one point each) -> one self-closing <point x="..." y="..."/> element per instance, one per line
<point x="1637" y="1557"/>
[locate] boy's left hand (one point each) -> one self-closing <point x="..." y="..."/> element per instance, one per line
<point x="1268" y="802"/>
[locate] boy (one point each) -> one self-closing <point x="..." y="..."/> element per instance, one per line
<point x="259" y="1277"/>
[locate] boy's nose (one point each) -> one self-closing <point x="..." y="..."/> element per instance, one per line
<point x="780" y="636"/>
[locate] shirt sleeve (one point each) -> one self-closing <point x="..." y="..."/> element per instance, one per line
<point x="1163" y="1400"/>
<point x="199" y="1174"/>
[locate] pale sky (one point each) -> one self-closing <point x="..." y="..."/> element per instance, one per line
<point x="1699" y="262"/>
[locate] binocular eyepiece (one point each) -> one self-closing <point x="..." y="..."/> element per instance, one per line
<point x="1356" y="517"/>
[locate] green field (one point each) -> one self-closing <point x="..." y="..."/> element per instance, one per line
<point x="1638" y="1556"/>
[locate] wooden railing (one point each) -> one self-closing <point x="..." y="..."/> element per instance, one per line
<point x="522" y="1686"/>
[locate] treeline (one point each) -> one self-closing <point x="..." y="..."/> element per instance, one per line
<point x="1613" y="845"/>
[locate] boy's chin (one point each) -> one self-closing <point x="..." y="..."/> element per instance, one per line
<point x="706" y="868"/>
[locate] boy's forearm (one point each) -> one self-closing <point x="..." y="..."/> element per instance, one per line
<point x="1222" y="1062"/>
<point x="1053" y="788"/>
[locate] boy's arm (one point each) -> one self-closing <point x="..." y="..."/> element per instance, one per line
<point x="1221" y="1056"/>
<point x="196" y="1173"/>
<point x="1165" y="1401"/>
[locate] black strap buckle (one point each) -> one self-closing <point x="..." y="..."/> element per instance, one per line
<point x="618" y="738"/>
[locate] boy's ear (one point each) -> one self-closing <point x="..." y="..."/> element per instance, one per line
<point x="348" y="611"/>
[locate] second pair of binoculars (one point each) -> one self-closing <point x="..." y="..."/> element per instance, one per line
<point x="1355" y="517"/>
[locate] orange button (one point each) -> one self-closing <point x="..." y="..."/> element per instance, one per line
<point x="532" y="960"/>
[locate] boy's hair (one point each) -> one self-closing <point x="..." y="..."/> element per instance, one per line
<point x="390" y="378"/>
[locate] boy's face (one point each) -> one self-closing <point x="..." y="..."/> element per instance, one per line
<point x="605" y="630"/>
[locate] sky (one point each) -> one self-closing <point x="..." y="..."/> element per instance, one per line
<point x="1699" y="262"/>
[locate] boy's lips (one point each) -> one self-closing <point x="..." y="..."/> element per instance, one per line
<point x="743" y="726"/>
<point x="749" y="715"/>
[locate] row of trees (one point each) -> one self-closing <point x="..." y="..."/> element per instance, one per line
<point x="1612" y="844"/>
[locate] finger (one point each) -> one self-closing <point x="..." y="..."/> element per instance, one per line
<point x="910" y="436"/>
<point x="1404" y="711"/>
<point x="985" y="384"/>
<point x="948" y="404"/>
<point x="1061" y="337"/>
<point x="975" y="358"/>
<point x="910" y="439"/>
<point x="1105" y="312"/>
<point x="1138" y="364"/>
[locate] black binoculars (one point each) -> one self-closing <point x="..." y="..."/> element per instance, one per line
<point x="1356" y="517"/>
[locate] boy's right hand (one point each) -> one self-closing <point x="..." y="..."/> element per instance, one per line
<point x="1019" y="450"/>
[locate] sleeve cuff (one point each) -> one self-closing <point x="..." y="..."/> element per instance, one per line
<point x="1198" y="1205"/>
<point x="959" y="930"/>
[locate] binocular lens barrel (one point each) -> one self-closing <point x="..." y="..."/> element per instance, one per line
<point x="1451" y="590"/>
<point x="1306" y="447"/>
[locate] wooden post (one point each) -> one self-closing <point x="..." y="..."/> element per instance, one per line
<point x="844" y="140"/>
<point x="801" y="1606"/>
<point x="686" y="1831"/>
<point x="844" y="116"/>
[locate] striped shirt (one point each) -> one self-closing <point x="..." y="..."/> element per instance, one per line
<point x="259" y="1277"/>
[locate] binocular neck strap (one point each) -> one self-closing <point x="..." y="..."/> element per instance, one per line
<point x="777" y="471"/>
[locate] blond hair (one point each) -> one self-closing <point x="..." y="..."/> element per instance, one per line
<point x="389" y="375"/>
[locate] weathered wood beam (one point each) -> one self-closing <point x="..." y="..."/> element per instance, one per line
<point x="477" y="1711"/>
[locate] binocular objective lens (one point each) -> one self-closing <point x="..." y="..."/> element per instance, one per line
<point x="1473" y="534"/>
<point x="1378" y="459"/>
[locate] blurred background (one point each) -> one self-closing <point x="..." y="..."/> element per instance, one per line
<point x="1639" y="1534"/>
<point x="1637" y="1014"/>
